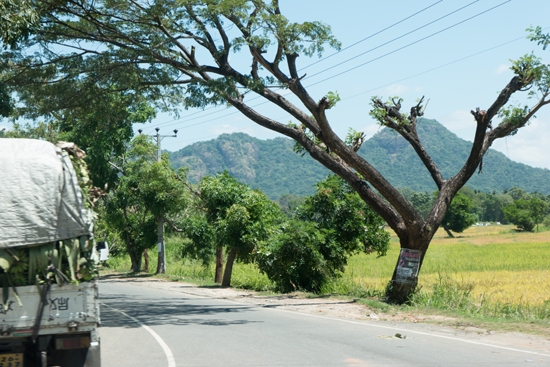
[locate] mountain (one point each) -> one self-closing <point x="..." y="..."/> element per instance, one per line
<point x="272" y="166"/>
<point x="269" y="165"/>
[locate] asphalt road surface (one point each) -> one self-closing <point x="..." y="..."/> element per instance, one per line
<point x="155" y="327"/>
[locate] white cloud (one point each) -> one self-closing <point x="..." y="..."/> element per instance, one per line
<point x="460" y="122"/>
<point x="371" y="129"/>
<point x="502" y="68"/>
<point x="397" y="89"/>
<point x="229" y="129"/>
<point x="531" y="145"/>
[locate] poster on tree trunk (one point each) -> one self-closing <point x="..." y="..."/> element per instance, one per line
<point x="408" y="265"/>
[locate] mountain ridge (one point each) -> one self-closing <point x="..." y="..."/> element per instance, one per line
<point x="272" y="166"/>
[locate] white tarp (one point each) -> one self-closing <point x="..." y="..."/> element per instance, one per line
<point x="40" y="200"/>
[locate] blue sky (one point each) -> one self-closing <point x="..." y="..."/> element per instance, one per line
<point x="452" y="90"/>
<point x="456" y="62"/>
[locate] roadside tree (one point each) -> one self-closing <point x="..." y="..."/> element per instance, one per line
<point x="178" y="52"/>
<point x="145" y="191"/>
<point x="236" y="218"/>
<point x="314" y="246"/>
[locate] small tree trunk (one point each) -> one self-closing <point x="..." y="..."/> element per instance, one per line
<point x="448" y="232"/>
<point x="219" y="265"/>
<point x="229" y="267"/>
<point x="134" y="258"/>
<point x="161" y="266"/>
<point x="146" y="260"/>
<point x="136" y="262"/>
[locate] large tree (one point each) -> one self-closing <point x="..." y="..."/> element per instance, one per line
<point x="178" y="52"/>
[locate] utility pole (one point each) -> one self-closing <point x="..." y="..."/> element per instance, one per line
<point x="161" y="264"/>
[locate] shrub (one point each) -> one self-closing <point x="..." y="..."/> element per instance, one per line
<point x="291" y="258"/>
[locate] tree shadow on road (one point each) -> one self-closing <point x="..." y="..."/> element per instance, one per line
<point x="167" y="311"/>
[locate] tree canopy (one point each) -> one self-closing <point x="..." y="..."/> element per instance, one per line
<point x="145" y="191"/>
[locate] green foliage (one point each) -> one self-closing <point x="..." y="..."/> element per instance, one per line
<point x="349" y="222"/>
<point x="459" y="217"/>
<point x="105" y="53"/>
<point x="241" y="216"/>
<point x="202" y="244"/>
<point x="233" y="217"/>
<point x="288" y="204"/>
<point x="292" y="258"/>
<point x="333" y="98"/>
<point x="539" y="37"/>
<point x="526" y="214"/>
<point x="379" y="113"/>
<point x="146" y="190"/>
<point x="328" y="228"/>
<point x="17" y="19"/>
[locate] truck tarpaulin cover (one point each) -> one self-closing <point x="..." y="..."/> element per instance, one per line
<point x="40" y="200"/>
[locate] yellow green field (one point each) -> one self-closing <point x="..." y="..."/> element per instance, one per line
<point x="493" y="263"/>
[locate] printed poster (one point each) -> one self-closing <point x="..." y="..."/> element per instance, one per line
<point x="408" y="265"/>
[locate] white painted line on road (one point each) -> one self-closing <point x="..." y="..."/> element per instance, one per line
<point x="165" y="348"/>
<point x="381" y="326"/>
<point x="416" y="332"/>
<point x="358" y="323"/>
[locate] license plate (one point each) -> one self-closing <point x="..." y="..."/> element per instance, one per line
<point x="11" y="360"/>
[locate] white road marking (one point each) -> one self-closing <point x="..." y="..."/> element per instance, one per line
<point x="165" y="348"/>
<point x="355" y="322"/>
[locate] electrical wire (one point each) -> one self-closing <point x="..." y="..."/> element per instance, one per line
<point x="348" y="70"/>
<point x="393" y="40"/>
<point x="372" y="35"/>
<point x="408" y="45"/>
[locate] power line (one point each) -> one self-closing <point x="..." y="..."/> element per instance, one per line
<point x="372" y="35"/>
<point x="372" y="60"/>
<point x="437" y="67"/>
<point x="344" y="49"/>
<point x="408" y="45"/>
<point x="393" y="40"/>
<point x="397" y="81"/>
<point x="377" y="58"/>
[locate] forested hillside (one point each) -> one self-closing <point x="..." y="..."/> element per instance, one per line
<point x="269" y="165"/>
<point x="272" y="166"/>
<point x="397" y="161"/>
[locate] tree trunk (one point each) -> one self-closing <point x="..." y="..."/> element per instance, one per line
<point x="134" y="258"/>
<point x="404" y="281"/>
<point x="219" y="265"/>
<point x="448" y="232"/>
<point x="136" y="261"/>
<point x="161" y="266"/>
<point x="229" y="267"/>
<point x="146" y="260"/>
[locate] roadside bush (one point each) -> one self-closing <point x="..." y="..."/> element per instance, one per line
<point x="291" y="258"/>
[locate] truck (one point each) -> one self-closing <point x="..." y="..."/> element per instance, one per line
<point x="49" y="312"/>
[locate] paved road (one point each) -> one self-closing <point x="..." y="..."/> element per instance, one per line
<point x="150" y="327"/>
